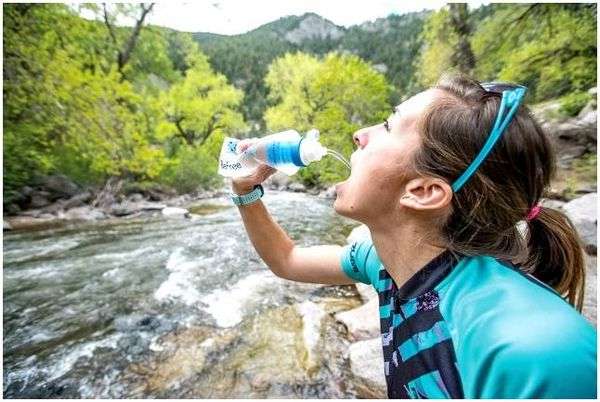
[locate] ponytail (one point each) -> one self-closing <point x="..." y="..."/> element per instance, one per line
<point x="555" y="254"/>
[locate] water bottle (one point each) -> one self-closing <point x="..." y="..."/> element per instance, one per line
<point x="286" y="151"/>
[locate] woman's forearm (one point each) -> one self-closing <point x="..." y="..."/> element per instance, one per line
<point x="268" y="238"/>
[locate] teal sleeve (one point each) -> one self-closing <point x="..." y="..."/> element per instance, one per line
<point x="515" y="339"/>
<point x="552" y="366"/>
<point x="360" y="262"/>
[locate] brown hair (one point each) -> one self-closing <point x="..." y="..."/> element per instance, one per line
<point x="486" y="212"/>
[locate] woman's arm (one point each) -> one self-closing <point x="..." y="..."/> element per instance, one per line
<point x="318" y="264"/>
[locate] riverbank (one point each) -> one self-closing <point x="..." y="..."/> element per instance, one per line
<point x="58" y="201"/>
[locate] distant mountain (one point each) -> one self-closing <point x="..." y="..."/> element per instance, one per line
<point x="390" y="43"/>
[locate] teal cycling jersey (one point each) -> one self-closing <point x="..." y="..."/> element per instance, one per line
<point x="476" y="327"/>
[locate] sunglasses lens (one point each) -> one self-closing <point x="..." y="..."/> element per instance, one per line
<point x="499" y="87"/>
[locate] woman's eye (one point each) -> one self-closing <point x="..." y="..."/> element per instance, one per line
<point x="386" y="124"/>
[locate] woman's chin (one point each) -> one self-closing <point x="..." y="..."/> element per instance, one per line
<point x="341" y="197"/>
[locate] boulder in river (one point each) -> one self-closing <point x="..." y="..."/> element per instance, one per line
<point x="39" y="199"/>
<point x="129" y="208"/>
<point x="29" y="222"/>
<point x="59" y="186"/>
<point x="175" y="212"/>
<point x="328" y="193"/>
<point x="278" y="181"/>
<point x="297" y="187"/>
<point x="367" y="292"/>
<point x="366" y="364"/>
<point x="85" y="213"/>
<point x="78" y="200"/>
<point x="362" y="322"/>
<point x="583" y="213"/>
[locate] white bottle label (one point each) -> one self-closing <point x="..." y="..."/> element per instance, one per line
<point x="233" y="164"/>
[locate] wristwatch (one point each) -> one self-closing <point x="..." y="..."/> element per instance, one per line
<point x="249" y="198"/>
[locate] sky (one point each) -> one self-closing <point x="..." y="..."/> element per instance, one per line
<point x="232" y="17"/>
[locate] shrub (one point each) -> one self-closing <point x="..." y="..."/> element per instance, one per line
<point x="571" y="104"/>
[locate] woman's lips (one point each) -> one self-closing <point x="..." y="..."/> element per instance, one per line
<point x="339" y="186"/>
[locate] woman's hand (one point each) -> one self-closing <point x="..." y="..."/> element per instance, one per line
<point x="244" y="185"/>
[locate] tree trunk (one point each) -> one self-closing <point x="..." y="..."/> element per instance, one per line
<point x="463" y="57"/>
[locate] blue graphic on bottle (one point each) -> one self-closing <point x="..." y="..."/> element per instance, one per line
<point x="284" y="152"/>
<point x="232" y="145"/>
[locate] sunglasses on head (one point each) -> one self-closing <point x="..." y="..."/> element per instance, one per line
<point x="512" y="96"/>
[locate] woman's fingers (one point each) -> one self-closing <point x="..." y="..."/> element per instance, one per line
<point x="245" y="144"/>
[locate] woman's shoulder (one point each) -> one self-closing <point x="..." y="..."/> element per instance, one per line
<point x="508" y="325"/>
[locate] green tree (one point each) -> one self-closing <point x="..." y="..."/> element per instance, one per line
<point x="337" y="94"/>
<point x="551" y="48"/>
<point x="198" y="112"/>
<point x="437" y="53"/>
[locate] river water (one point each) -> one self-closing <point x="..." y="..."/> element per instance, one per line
<point x="172" y="308"/>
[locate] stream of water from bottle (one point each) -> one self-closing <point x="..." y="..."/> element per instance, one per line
<point x="339" y="157"/>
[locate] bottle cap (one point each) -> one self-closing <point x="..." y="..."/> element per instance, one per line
<point x="311" y="149"/>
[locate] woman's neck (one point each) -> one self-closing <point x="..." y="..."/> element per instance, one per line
<point x="403" y="250"/>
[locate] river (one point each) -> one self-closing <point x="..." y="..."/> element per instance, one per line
<point x="160" y="307"/>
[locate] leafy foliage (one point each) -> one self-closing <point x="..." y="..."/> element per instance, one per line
<point x="93" y="100"/>
<point x="391" y="43"/>
<point x="71" y="107"/>
<point x="571" y="104"/>
<point x="338" y="94"/>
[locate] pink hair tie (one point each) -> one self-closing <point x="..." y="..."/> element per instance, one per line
<point x="533" y="212"/>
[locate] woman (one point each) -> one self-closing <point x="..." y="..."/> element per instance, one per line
<point x="468" y="266"/>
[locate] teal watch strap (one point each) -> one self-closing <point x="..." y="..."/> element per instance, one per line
<point x="249" y="198"/>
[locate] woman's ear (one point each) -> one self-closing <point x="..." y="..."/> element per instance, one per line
<point x="426" y="194"/>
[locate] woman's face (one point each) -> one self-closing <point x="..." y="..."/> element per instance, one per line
<point x="381" y="165"/>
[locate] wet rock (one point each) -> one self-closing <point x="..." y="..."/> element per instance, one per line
<point x="207" y="209"/>
<point x="133" y="344"/>
<point x="572" y="137"/>
<point x="366" y="364"/>
<point x="34" y="213"/>
<point x="28" y="222"/>
<point x="59" y="186"/>
<point x="359" y="233"/>
<point x="367" y="292"/>
<point x="129" y="208"/>
<point x="26" y="191"/>
<point x="583" y="213"/>
<point x="51" y="390"/>
<point x="39" y="199"/>
<point x="175" y="212"/>
<point x="570" y="153"/>
<point x="55" y="207"/>
<point x="588" y="113"/>
<point x="554" y="204"/>
<point x="361" y="322"/>
<point x="135" y="197"/>
<point x="297" y="187"/>
<point x="312" y="315"/>
<point x="12" y="209"/>
<point x="278" y="181"/>
<point x="77" y="200"/>
<point x="85" y="213"/>
<point x="329" y="193"/>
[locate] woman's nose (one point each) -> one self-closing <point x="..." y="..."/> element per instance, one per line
<point x="361" y="138"/>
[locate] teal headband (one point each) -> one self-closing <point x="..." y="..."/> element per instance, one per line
<point x="511" y="99"/>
